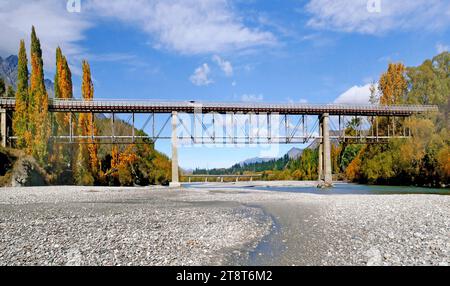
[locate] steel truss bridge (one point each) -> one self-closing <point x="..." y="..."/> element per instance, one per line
<point x="231" y="123"/>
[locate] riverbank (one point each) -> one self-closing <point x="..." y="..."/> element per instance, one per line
<point x="198" y="226"/>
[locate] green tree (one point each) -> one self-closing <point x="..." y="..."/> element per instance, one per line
<point x="21" y="114"/>
<point x="2" y="87"/>
<point x="39" y="124"/>
<point x="10" y="91"/>
<point x="420" y="160"/>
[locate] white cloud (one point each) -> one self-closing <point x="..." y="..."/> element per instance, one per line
<point x="442" y="48"/>
<point x="224" y="65"/>
<point x="201" y="75"/>
<point x="55" y="26"/>
<point x="234" y="83"/>
<point x="252" y="97"/>
<point x="354" y="16"/>
<point x="185" y="26"/>
<point x="303" y="101"/>
<point x="355" y="95"/>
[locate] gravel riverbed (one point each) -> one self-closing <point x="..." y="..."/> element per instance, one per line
<point x="158" y="226"/>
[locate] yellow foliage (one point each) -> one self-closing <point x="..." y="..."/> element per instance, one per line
<point x="352" y="172"/>
<point x="393" y="84"/>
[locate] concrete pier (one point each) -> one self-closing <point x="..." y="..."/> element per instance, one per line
<point x="326" y="156"/>
<point x="320" y="149"/>
<point x="3" y="127"/>
<point x="175" y="183"/>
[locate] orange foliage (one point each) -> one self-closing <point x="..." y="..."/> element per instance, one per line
<point x="393" y="84"/>
<point x="352" y="172"/>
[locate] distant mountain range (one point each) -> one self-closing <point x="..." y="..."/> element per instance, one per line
<point x="256" y="160"/>
<point x="8" y="71"/>
<point x="293" y="153"/>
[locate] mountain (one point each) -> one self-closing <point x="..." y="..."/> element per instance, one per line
<point x="8" y="71"/>
<point x="256" y="160"/>
<point x="294" y="153"/>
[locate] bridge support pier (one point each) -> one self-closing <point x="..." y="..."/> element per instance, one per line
<point x="3" y="127"/>
<point x="320" y="167"/>
<point x="325" y="171"/>
<point x="175" y="183"/>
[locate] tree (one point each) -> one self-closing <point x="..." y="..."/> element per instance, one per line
<point x="393" y="84"/>
<point x="374" y="95"/>
<point x="429" y="83"/>
<point x="10" y="91"/>
<point x="63" y="154"/>
<point x="87" y="165"/>
<point x="2" y="87"/>
<point x="21" y="115"/>
<point x="423" y="159"/>
<point x="39" y="123"/>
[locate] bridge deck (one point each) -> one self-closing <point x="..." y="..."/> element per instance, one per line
<point x="134" y="106"/>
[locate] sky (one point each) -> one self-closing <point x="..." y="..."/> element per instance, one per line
<point x="296" y="51"/>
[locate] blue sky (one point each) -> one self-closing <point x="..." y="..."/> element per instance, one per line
<point x="316" y="51"/>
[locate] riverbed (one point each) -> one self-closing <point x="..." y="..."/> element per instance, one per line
<point x="223" y="225"/>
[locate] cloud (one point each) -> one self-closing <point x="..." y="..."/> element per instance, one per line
<point x="55" y="26"/>
<point x="200" y="76"/>
<point x="252" y="97"/>
<point x="185" y="26"/>
<point x="355" y="95"/>
<point x="224" y="65"/>
<point x="301" y="101"/>
<point x="442" y="48"/>
<point x="354" y="16"/>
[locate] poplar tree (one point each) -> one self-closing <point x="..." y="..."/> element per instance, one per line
<point x="20" y="117"/>
<point x="39" y="123"/>
<point x="87" y="159"/>
<point x="393" y="84"/>
<point x="63" y="90"/>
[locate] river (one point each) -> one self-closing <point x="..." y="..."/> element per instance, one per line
<point x="305" y="231"/>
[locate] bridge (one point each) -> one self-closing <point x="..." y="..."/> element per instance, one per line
<point x="231" y="123"/>
<point x="221" y="177"/>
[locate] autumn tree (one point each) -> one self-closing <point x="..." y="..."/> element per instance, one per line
<point x="21" y="115"/>
<point x="422" y="159"/>
<point x="63" y="154"/>
<point x="39" y="123"/>
<point x="87" y="165"/>
<point x="393" y="84"/>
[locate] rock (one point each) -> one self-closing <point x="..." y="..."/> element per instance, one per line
<point x="373" y="257"/>
<point x="26" y="172"/>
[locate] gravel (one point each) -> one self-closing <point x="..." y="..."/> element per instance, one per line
<point x="388" y="230"/>
<point x="157" y="226"/>
<point x="78" y="226"/>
